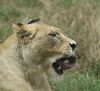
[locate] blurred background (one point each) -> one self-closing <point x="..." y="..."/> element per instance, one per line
<point x="79" y="19"/>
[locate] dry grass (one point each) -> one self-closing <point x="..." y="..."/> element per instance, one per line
<point x="79" y="19"/>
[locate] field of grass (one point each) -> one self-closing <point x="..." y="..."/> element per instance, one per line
<point x="79" y="19"/>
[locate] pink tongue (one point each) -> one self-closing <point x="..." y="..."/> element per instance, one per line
<point x="66" y="66"/>
<point x="70" y="64"/>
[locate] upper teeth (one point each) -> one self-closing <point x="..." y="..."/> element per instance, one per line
<point x="66" y="61"/>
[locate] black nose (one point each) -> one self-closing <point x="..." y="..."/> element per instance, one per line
<point x="73" y="45"/>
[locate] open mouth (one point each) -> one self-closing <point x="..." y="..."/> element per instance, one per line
<point x="64" y="63"/>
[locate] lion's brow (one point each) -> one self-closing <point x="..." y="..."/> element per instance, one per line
<point x="33" y="21"/>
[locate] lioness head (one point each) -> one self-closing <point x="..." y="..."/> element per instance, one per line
<point x="40" y="42"/>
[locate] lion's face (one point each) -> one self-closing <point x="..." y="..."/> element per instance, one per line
<point x="48" y="41"/>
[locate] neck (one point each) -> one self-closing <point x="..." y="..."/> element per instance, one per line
<point x="34" y="70"/>
<point x="27" y="65"/>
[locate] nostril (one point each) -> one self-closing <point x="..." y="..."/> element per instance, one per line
<point x="73" y="45"/>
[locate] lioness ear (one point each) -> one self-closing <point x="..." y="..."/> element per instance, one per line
<point x="20" y="32"/>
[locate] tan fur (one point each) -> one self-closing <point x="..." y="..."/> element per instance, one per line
<point x="25" y="57"/>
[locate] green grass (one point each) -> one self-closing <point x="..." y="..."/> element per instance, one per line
<point x="80" y="19"/>
<point x="79" y="82"/>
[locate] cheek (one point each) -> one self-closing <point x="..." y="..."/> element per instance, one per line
<point x="53" y="43"/>
<point x="53" y="46"/>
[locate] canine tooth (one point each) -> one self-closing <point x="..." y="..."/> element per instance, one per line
<point x="59" y="67"/>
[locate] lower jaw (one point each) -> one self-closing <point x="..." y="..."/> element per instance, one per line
<point x="58" y="71"/>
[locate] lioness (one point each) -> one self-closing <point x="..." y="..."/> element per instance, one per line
<point x="28" y="54"/>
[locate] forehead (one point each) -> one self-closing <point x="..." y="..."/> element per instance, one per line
<point x="41" y="27"/>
